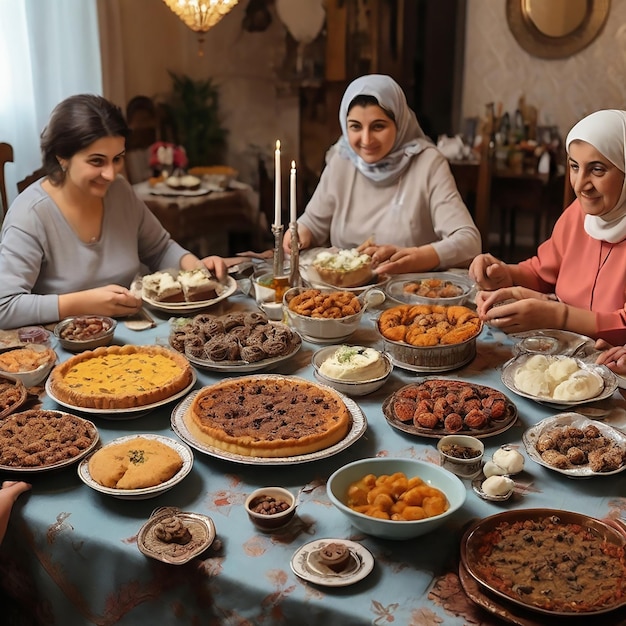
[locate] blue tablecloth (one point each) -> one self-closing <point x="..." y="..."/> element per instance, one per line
<point x="72" y="552"/>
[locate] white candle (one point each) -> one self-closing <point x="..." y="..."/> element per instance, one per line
<point x="277" y="201"/>
<point x="292" y="195"/>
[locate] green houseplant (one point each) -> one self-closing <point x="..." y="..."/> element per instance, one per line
<point x="193" y="107"/>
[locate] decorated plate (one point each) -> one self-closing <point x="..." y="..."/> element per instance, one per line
<point x="399" y="288"/>
<point x="307" y="566"/>
<point x="506" y="419"/>
<point x="551" y="528"/>
<point x="127" y="413"/>
<point x="191" y="307"/>
<point x="53" y="422"/>
<point x="245" y="366"/>
<point x="13" y="394"/>
<point x="357" y="429"/>
<point x="200" y="527"/>
<point x="574" y="420"/>
<point x="147" y="492"/>
<point x="511" y="366"/>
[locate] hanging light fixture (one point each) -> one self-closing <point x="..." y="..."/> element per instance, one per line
<point x="200" y="15"/>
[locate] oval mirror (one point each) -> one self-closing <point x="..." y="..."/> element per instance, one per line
<point x="556" y="29"/>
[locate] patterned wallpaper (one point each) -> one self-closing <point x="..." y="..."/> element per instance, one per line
<point x="497" y="69"/>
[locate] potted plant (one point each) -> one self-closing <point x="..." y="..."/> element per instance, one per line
<point x="193" y="107"/>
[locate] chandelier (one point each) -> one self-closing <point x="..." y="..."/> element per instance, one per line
<point x="200" y="15"/>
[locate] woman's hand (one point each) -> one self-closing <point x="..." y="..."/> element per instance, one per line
<point x="112" y="300"/>
<point x="392" y="260"/>
<point x="614" y="357"/>
<point x="490" y="273"/>
<point x="305" y="239"/>
<point x="516" y="309"/>
<point x="216" y="265"/>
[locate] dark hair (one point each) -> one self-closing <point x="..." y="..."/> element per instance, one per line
<point x="76" y="123"/>
<point x="364" y="101"/>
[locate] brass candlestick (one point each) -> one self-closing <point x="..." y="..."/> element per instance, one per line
<point x="294" y="267"/>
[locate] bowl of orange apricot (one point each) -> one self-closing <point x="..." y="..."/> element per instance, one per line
<point x="395" y="498"/>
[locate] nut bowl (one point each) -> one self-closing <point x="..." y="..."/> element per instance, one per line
<point x="461" y="454"/>
<point x="433" y="475"/>
<point x="322" y="329"/>
<point x="349" y="387"/>
<point x="85" y="332"/>
<point x="270" y="508"/>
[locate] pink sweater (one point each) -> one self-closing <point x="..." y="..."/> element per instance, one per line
<point x="583" y="272"/>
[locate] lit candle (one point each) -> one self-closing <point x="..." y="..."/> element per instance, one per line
<point x="292" y="196"/>
<point x="277" y="210"/>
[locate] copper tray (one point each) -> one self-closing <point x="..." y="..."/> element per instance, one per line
<point x="473" y="543"/>
<point x="496" y="427"/>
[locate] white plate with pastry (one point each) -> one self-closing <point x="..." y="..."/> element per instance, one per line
<point x="161" y="189"/>
<point x="229" y="289"/>
<point x="145" y="458"/>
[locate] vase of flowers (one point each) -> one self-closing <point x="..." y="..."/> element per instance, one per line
<point x="166" y="158"/>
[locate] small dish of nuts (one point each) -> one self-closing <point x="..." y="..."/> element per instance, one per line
<point x="85" y="332"/>
<point x="270" y="508"/>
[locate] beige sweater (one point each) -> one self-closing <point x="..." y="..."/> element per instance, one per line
<point x="423" y="207"/>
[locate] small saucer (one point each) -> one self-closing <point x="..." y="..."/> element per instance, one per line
<point x="477" y="487"/>
<point x="305" y="564"/>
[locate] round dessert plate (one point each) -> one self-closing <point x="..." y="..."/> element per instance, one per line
<point x="161" y="189"/>
<point x="128" y="413"/>
<point x="245" y="366"/>
<point x="95" y="439"/>
<point x="532" y="435"/>
<point x="511" y="366"/>
<point x="497" y="427"/>
<point x="147" y="492"/>
<point x="395" y="288"/>
<point x="201" y="528"/>
<point x="306" y="565"/>
<point x="191" y="307"/>
<point x="179" y="426"/>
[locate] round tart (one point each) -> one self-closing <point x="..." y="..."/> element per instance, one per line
<point x="119" y="377"/>
<point x="268" y="417"/>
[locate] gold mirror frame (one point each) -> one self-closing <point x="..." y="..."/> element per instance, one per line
<point x="531" y="39"/>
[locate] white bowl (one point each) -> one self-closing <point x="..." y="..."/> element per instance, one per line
<point x="318" y="329"/>
<point x="349" y="387"/>
<point x="463" y="467"/>
<point x="268" y="522"/>
<point x="30" y="378"/>
<point x="435" y="476"/>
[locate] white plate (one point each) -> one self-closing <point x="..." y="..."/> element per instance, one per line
<point x="305" y="564"/>
<point x="128" y="413"/>
<point x="147" y="492"/>
<point x="161" y="189"/>
<point x="190" y="307"/>
<point x="83" y="453"/>
<point x="531" y="437"/>
<point x="359" y="425"/>
<point x="511" y="366"/>
<point x="244" y="366"/>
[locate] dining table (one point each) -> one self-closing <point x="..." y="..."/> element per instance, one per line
<point x="71" y="552"/>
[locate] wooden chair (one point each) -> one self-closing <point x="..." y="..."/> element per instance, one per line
<point x="6" y="155"/>
<point x="30" y="179"/>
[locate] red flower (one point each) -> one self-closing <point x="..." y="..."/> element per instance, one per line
<point x="164" y="154"/>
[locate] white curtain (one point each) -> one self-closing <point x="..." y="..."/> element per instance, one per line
<point x="48" y="51"/>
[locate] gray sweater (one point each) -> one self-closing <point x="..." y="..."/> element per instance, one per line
<point x="42" y="257"/>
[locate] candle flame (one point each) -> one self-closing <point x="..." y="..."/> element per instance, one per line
<point x="278" y="144"/>
<point x="293" y="165"/>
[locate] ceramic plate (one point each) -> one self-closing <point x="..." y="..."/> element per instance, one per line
<point x="495" y="428"/>
<point x="191" y="307"/>
<point x="532" y="435"/>
<point x="508" y="378"/>
<point x="478" y="535"/>
<point x="179" y="425"/>
<point x="201" y="528"/>
<point x="395" y="288"/>
<point x="161" y="189"/>
<point x="245" y="366"/>
<point x="306" y="565"/>
<point x="148" y="492"/>
<point x="94" y="439"/>
<point x="128" y="413"/>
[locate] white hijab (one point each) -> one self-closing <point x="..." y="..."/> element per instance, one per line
<point x="606" y="132"/>
<point x="410" y="138"/>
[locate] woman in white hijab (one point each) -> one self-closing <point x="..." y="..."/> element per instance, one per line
<point x="386" y="184"/>
<point x="577" y="280"/>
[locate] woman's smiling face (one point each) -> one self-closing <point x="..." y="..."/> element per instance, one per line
<point x="371" y="132"/>
<point x="597" y="182"/>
